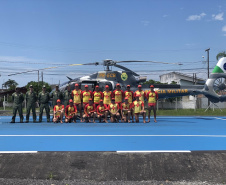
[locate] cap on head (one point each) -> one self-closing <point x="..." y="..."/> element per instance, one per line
<point x="101" y="100"/>
<point x="97" y="86"/>
<point x="86" y="86"/>
<point x="31" y="86"/>
<point x="126" y="98"/>
<point x="139" y="85"/>
<point x="57" y="85"/>
<point x="117" y="85"/>
<point x="58" y="100"/>
<point x="128" y="86"/>
<point x="76" y="85"/>
<point x="106" y="86"/>
<point x="152" y="86"/>
<point x="90" y="99"/>
<point x="43" y="86"/>
<point x="70" y="101"/>
<point x="113" y="99"/>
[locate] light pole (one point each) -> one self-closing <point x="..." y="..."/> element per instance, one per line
<point x="208" y="62"/>
<point x="208" y="67"/>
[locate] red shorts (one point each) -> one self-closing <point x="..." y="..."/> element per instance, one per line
<point x="76" y="104"/>
<point x="151" y="104"/>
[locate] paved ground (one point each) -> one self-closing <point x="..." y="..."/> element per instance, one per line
<point x="181" y="134"/>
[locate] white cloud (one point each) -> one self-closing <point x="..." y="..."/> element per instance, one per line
<point x="17" y="59"/>
<point x="218" y="17"/>
<point x="224" y="28"/>
<point x="164" y="16"/>
<point x="145" y="23"/>
<point x="196" y="17"/>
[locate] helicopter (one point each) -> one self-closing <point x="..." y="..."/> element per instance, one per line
<point x="214" y="88"/>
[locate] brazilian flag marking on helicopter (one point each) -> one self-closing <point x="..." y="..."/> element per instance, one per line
<point x="221" y="66"/>
<point x="124" y="76"/>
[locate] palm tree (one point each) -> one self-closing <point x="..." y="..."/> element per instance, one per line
<point x="10" y="84"/>
<point x="221" y="54"/>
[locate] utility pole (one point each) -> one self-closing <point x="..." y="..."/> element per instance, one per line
<point x="208" y="67"/>
<point x="42" y="78"/>
<point x="208" y="62"/>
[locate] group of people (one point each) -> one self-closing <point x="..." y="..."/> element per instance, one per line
<point x="119" y="105"/>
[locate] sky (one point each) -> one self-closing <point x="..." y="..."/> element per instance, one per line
<point x="37" y="34"/>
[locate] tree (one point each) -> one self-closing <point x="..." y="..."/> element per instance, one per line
<point x="10" y="84"/>
<point x="220" y="55"/>
<point x="38" y="87"/>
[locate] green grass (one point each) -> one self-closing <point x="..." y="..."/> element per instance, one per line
<point x="192" y="112"/>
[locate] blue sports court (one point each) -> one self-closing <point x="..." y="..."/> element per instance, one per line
<point x="170" y="134"/>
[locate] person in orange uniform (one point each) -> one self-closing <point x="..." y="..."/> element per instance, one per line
<point x="97" y="95"/>
<point x="58" y="112"/>
<point x="114" y="111"/>
<point x="140" y="92"/>
<point x="152" y="97"/>
<point x="138" y="108"/>
<point x="86" y="95"/>
<point x="70" y="112"/>
<point x="76" y="94"/>
<point x="90" y="111"/>
<point x="126" y="110"/>
<point x="129" y="94"/>
<point x="118" y="94"/>
<point x="107" y="95"/>
<point x="102" y="111"/>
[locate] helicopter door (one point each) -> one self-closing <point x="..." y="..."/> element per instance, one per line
<point x="91" y="85"/>
<point x="102" y="85"/>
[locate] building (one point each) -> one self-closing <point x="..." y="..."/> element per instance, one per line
<point x="181" y="79"/>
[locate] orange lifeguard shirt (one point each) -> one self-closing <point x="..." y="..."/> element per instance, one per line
<point x="86" y="95"/>
<point x="141" y="93"/>
<point x="77" y="96"/>
<point x="89" y="109"/>
<point x="70" y="110"/>
<point x="113" y="107"/>
<point x="129" y="95"/>
<point x="137" y="105"/>
<point x="57" y="108"/>
<point x="107" y="97"/>
<point x="118" y="95"/>
<point x="125" y="106"/>
<point x="101" y="109"/>
<point x="97" y="96"/>
<point x="152" y="97"/>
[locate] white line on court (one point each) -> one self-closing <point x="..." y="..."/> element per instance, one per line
<point x="17" y="152"/>
<point x="156" y="151"/>
<point x="219" y="118"/>
<point x="112" y="135"/>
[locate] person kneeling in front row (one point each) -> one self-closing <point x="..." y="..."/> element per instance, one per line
<point x="90" y="111"/>
<point x="114" y="111"/>
<point x="138" y="108"/>
<point x="58" y="112"/>
<point x="70" y="112"/>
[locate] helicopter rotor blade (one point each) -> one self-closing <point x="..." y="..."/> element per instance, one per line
<point x="127" y="61"/>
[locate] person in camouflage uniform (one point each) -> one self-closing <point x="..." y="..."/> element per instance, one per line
<point x="56" y="95"/>
<point x="67" y="96"/>
<point x="44" y="98"/>
<point x="31" y="99"/>
<point x="18" y="99"/>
